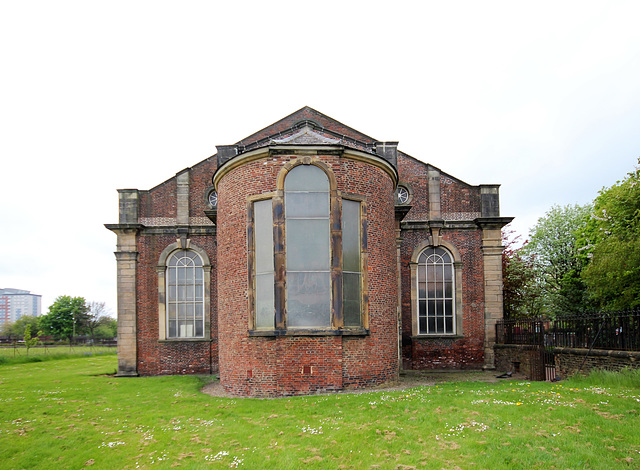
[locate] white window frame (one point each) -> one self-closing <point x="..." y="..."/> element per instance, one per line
<point x="184" y="295"/>
<point x="457" y="290"/>
<point x="163" y="299"/>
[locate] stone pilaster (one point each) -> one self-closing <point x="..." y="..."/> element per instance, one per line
<point x="182" y="197"/>
<point x="127" y="258"/>
<point x="492" y="269"/>
<point x="434" y="194"/>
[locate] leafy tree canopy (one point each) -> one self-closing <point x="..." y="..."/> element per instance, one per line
<point x="581" y="258"/>
<point x="553" y="241"/>
<point x="66" y="317"/>
<point x="522" y="291"/>
<point x="107" y="329"/>
<point x="17" y="329"/>
<point x="611" y="241"/>
<point x="99" y="325"/>
<point x="554" y="245"/>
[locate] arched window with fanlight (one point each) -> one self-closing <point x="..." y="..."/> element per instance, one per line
<point x="185" y="295"/>
<point x="436" y="292"/>
<point x="308" y="237"/>
<point x="306" y="255"/>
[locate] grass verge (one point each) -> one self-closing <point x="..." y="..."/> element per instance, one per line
<point x="18" y="355"/>
<point x="71" y="414"/>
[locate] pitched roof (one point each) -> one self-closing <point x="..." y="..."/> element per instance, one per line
<point x="320" y="123"/>
<point x="308" y="127"/>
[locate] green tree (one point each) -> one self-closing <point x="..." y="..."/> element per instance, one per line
<point x="17" y="328"/>
<point x="7" y="331"/>
<point x="30" y="342"/>
<point x="95" y="310"/>
<point x="611" y="243"/>
<point x="554" y="245"/>
<point x="521" y="288"/>
<point x="67" y="317"/>
<point x="99" y="324"/>
<point x="108" y="328"/>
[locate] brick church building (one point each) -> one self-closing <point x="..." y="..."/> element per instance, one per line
<point x="308" y="257"/>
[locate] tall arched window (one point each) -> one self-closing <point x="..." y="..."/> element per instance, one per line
<point x="307" y="235"/>
<point x="436" y="292"/>
<point x="306" y="259"/>
<point x="185" y="295"/>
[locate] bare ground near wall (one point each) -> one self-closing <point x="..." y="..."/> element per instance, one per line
<point x="408" y="379"/>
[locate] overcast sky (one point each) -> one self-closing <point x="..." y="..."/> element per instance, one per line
<point x="541" y="97"/>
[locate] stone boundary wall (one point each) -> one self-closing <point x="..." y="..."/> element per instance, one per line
<point x="567" y="360"/>
<point x="516" y="358"/>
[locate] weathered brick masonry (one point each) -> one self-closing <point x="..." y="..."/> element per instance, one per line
<point x="286" y="365"/>
<point x="465" y="350"/>
<point x="177" y="216"/>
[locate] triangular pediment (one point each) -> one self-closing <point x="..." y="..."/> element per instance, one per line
<point x="305" y="136"/>
<point x="306" y="117"/>
<point x="308" y="127"/>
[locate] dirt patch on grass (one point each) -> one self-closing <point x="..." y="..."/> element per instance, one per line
<point x="408" y="379"/>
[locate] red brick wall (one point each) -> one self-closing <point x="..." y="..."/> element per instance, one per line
<point x="289" y="365"/>
<point x="439" y="353"/>
<point x="414" y="173"/>
<point x="458" y="197"/>
<point x="170" y="357"/>
<point x="173" y="357"/>
<point x="159" y="201"/>
<point x="286" y="365"/>
<point x="199" y="182"/>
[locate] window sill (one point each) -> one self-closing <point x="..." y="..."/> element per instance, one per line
<point x="438" y="336"/>
<point x="185" y="340"/>
<point x="311" y="332"/>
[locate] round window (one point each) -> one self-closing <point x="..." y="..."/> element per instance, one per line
<point x="402" y="195"/>
<point x="213" y="199"/>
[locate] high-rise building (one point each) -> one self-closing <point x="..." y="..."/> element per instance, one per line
<point x="16" y="303"/>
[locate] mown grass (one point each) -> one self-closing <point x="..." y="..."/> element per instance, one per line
<point x="71" y="414"/>
<point x="20" y="355"/>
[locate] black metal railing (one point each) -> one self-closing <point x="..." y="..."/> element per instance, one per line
<point x="610" y="330"/>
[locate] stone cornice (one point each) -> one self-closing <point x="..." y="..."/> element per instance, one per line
<point x="401" y="211"/>
<point x="123" y="227"/>
<point x="475" y="224"/>
<point x="493" y="222"/>
<point x="311" y="150"/>
<point x="162" y="229"/>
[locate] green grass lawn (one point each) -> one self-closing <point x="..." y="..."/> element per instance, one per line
<point x="72" y="414"/>
<point x="20" y="355"/>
